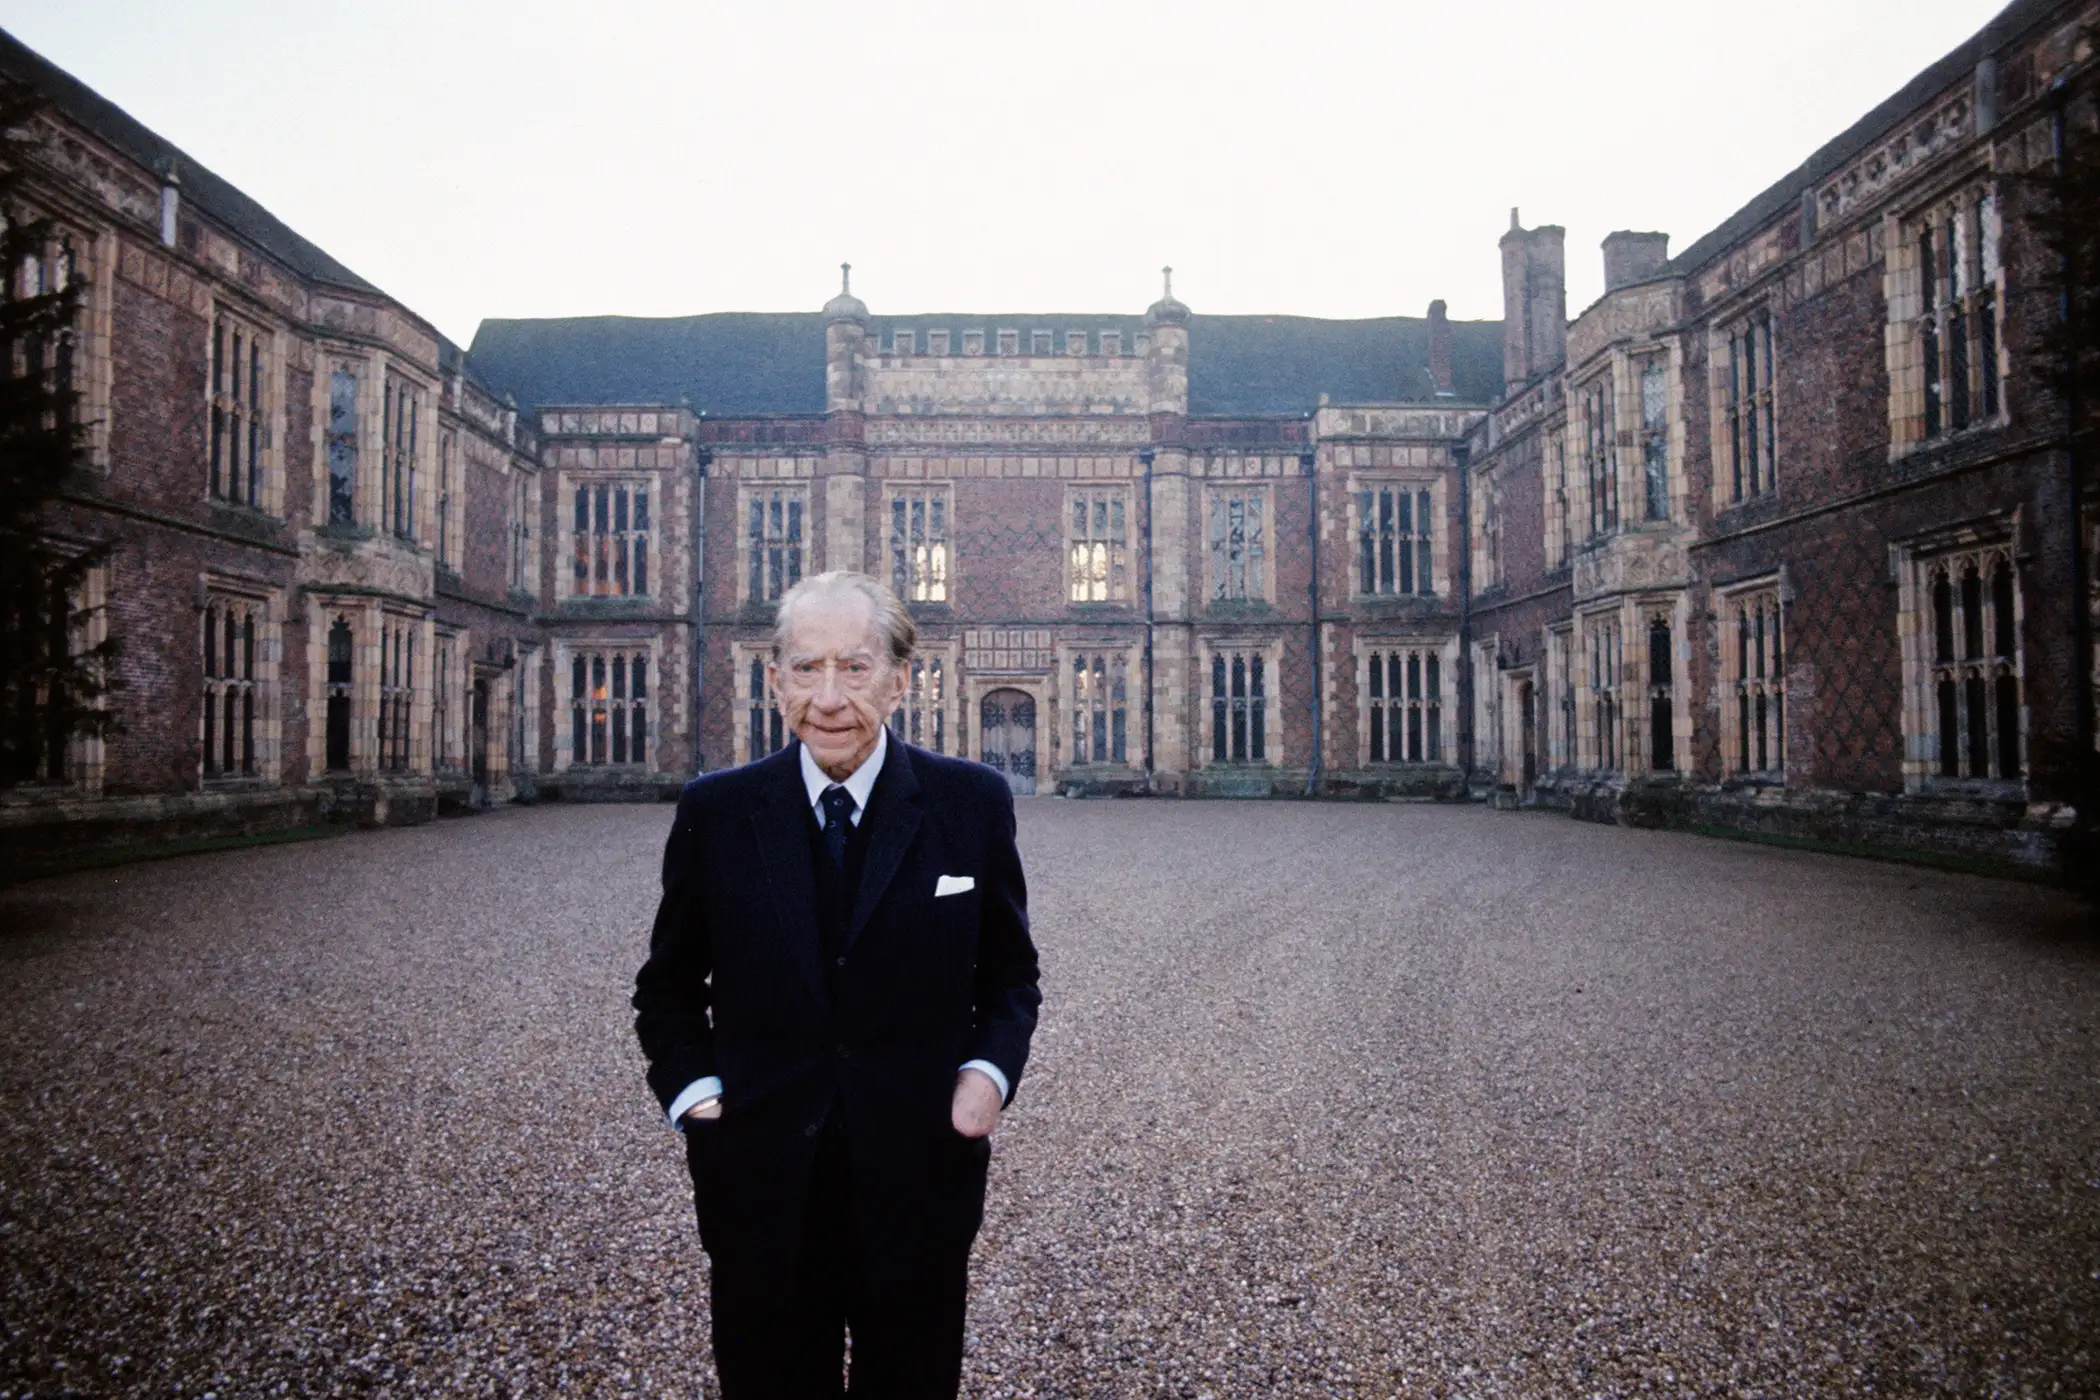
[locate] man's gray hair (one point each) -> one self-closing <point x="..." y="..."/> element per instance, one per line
<point x="892" y="623"/>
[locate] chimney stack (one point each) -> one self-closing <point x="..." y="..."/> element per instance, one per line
<point x="1534" y="301"/>
<point x="1439" y="351"/>
<point x="1633" y="257"/>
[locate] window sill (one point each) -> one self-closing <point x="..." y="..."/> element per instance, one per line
<point x="1972" y="789"/>
<point x="241" y="512"/>
<point x="1239" y="609"/>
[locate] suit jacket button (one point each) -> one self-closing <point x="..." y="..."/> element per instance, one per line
<point x="810" y="1131"/>
<point x="842" y="962"/>
<point x="842" y="1052"/>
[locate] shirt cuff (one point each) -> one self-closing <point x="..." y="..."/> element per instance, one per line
<point x="993" y="1073"/>
<point x="697" y="1092"/>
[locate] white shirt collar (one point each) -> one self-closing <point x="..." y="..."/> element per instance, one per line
<point x="860" y="783"/>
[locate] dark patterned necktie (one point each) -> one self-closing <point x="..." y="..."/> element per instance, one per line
<point x="838" y="820"/>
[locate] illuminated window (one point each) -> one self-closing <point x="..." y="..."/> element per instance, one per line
<point x="608" y="708"/>
<point x="919" y="547"/>
<point x="610" y="528"/>
<point x="1099" y="546"/>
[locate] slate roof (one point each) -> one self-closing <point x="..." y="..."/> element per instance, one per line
<point x="2010" y="22"/>
<point x="735" y="364"/>
<point x="202" y="190"/>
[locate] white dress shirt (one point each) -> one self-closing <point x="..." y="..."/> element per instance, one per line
<point x="860" y="785"/>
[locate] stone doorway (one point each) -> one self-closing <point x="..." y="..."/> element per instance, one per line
<point x="1006" y="737"/>
<point x="1527" y="711"/>
<point x="478" y="743"/>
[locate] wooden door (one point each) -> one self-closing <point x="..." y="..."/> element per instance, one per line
<point x="1527" y="705"/>
<point x="479" y="743"/>
<point x="1006" y="737"/>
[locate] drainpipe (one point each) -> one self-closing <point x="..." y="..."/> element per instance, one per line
<point x="702" y="459"/>
<point x="1145" y="457"/>
<point x="1462" y="546"/>
<point x="2074" y="420"/>
<point x="1308" y="461"/>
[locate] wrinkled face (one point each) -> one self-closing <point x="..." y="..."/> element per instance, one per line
<point x="836" y="681"/>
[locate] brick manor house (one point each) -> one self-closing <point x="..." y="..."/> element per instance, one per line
<point x="1783" y="532"/>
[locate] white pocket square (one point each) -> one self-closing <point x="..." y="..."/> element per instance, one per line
<point x="953" y="884"/>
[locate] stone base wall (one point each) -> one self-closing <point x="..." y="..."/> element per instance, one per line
<point x="38" y="830"/>
<point x="2009" y="836"/>
<point x="608" y="785"/>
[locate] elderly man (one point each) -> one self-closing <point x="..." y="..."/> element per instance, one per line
<point x="837" y="1004"/>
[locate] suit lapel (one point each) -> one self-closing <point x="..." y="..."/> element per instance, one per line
<point x="780" y="825"/>
<point x="894" y="812"/>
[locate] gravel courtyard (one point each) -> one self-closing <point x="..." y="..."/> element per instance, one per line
<point x="1327" y="1101"/>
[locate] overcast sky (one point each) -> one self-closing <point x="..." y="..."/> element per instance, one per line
<point x="1318" y="157"/>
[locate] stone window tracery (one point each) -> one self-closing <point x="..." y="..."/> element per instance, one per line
<point x="1403" y="691"/>
<point x="1098" y="545"/>
<point x="1238" y="544"/>
<point x="1100" y="707"/>
<point x="1600" y="468"/>
<point x="401" y="415"/>
<point x="397" y="696"/>
<point x="1239" y="706"/>
<point x="1559" y="516"/>
<point x="1393" y="540"/>
<point x="773" y="541"/>
<point x="341" y="697"/>
<point x="1602" y="644"/>
<point x="1662" y="697"/>
<point x="1968" y="702"/>
<point x="1747" y="424"/>
<point x="239" y="411"/>
<point x="1957" y="276"/>
<point x="921" y="716"/>
<point x="233" y="643"/>
<point x="764" y="728"/>
<point x="609" y="707"/>
<point x="919" y="543"/>
<point x="611" y="536"/>
<point x="341" y="445"/>
<point x="1753" y="659"/>
<point x="524" y="562"/>
<point x="1561" y="739"/>
<point x="1655" y="437"/>
<point x="444" y="742"/>
<point x="447" y="486"/>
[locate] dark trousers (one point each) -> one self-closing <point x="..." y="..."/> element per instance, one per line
<point x="904" y="1348"/>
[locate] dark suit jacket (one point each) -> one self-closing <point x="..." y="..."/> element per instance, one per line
<point x="734" y="987"/>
